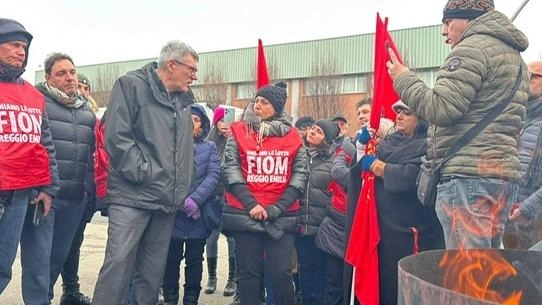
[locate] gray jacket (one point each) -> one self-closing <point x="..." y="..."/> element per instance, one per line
<point x="148" y="137"/>
<point x="530" y="155"/>
<point x="479" y="72"/>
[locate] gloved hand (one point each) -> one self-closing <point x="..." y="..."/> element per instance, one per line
<point x="364" y="136"/>
<point x="367" y="161"/>
<point x="191" y="208"/>
<point x="273" y="212"/>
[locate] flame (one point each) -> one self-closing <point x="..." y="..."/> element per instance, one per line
<point x="487" y="225"/>
<point x="473" y="272"/>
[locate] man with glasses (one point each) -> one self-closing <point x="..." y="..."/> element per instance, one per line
<point x="483" y="70"/>
<point x="148" y="137"/>
<point x="525" y="228"/>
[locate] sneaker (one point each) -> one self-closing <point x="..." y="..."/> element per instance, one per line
<point x="75" y="299"/>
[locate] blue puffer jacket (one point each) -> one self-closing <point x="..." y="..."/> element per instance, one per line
<point x="207" y="178"/>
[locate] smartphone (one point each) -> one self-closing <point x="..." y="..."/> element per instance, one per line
<point x="229" y="115"/>
<point x="39" y="211"/>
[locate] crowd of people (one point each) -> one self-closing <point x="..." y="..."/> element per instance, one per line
<point x="171" y="179"/>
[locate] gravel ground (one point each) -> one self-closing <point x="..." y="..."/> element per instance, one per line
<point x="92" y="254"/>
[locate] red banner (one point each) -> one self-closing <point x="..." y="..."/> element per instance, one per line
<point x="362" y="249"/>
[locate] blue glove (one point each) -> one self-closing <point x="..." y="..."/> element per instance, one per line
<point x="367" y="161"/>
<point x="191" y="208"/>
<point x="364" y="136"/>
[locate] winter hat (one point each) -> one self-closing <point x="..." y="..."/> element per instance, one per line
<point x="303" y="122"/>
<point x="330" y="129"/>
<point x="275" y="94"/>
<point x="218" y="114"/>
<point x="11" y="30"/>
<point x="466" y="9"/>
<point x="339" y="117"/>
<point x="398" y="105"/>
<point x="83" y="80"/>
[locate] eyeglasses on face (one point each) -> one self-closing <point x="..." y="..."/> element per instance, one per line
<point x="192" y="69"/>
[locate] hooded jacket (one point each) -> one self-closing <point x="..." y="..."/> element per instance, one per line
<point x="207" y="178"/>
<point x="148" y="137"/>
<point x="479" y="73"/>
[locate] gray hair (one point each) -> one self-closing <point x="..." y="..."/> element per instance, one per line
<point x="175" y="50"/>
<point x="52" y="58"/>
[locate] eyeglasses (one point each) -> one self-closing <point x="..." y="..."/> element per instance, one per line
<point x="193" y="70"/>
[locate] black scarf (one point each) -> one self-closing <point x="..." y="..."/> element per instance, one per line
<point x="9" y="73"/>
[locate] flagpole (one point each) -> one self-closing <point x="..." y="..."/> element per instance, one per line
<point x="352" y="291"/>
<point x="519" y="10"/>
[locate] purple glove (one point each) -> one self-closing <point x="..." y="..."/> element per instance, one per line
<point x="191" y="208"/>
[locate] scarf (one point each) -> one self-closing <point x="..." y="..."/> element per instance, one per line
<point x="75" y="101"/>
<point x="9" y="73"/>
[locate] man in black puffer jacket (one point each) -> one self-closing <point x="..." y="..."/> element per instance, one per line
<point x="44" y="249"/>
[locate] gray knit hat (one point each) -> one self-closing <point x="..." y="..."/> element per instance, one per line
<point x="275" y="94"/>
<point x="466" y="9"/>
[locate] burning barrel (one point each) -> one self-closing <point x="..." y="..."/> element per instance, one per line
<point x="471" y="277"/>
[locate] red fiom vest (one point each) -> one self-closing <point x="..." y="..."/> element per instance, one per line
<point x="24" y="162"/>
<point x="267" y="169"/>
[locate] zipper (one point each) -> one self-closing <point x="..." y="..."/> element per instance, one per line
<point x="175" y="107"/>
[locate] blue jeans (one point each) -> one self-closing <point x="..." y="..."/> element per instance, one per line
<point x="473" y="211"/>
<point x="11" y="225"/>
<point x="312" y="270"/>
<point x="211" y="247"/>
<point x="44" y="249"/>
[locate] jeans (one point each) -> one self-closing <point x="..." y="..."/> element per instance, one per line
<point x="473" y="211"/>
<point x="11" y="225"/>
<point x="44" y="249"/>
<point x="211" y="247"/>
<point x="191" y="250"/>
<point x="136" y="251"/>
<point x="312" y="270"/>
<point x="70" y="270"/>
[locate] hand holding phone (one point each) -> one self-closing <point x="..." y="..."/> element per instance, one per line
<point x="39" y="212"/>
<point x="229" y="115"/>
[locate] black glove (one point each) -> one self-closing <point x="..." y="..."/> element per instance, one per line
<point x="273" y="212"/>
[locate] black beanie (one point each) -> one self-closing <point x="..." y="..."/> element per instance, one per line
<point x="275" y="94"/>
<point x="304" y="121"/>
<point x="330" y="129"/>
<point x="466" y="9"/>
<point x="11" y="30"/>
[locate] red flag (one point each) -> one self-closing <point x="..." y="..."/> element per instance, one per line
<point x="384" y="93"/>
<point x="362" y="249"/>
<point x="262" y="79"/>
<point x="362" y="252"/>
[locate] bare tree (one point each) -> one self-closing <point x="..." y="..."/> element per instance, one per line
<point x="214" y="90"/>
<point x="105" y="78"/>
<point x="323" y="91"/>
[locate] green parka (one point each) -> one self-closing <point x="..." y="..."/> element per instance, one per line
<point x="479" y="72"/>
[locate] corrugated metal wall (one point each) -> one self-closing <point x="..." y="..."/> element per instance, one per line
<point x="422" y="48"/>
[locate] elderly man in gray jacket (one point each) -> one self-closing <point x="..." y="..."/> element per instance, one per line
<point x="478" y="184"/>
<point x="148" y="137"/>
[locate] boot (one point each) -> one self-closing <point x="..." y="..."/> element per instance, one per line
<point x="231" y="285"/>
<point x="191" y="297"/>
<point x="75" y="299"/>
<point x="211" y="267"/>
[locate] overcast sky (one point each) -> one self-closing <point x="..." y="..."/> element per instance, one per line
<point x="98" y="31"/>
